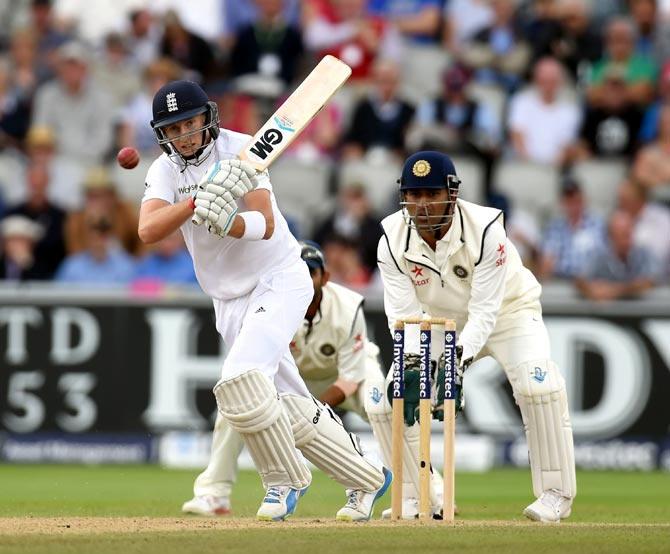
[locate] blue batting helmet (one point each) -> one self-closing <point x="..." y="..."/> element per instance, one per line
<point x="428" y="170"/>
<point x="179" y="100"/>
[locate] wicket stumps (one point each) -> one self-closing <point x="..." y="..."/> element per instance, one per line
<point x="426" y="326"/>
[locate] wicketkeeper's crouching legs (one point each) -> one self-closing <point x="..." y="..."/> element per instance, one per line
<point x="539" y="390"/>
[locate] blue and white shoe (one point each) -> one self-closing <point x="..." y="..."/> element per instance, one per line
<point x="360" y="504"/>
<point x="279" y="503"/>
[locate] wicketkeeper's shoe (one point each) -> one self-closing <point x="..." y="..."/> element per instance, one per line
<point x="207" y="506"/>
<point x="360" y="504"/>
<point x="279" y="503"/>
<point x="551" y="507"/>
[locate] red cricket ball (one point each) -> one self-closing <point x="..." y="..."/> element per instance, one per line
<point x="128" y="157"/>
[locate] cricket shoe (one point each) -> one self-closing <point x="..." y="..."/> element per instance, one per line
<point x="551" y="507"/>
<point x="207" y="505"/>
<point x="279" y="503"/>
<point x="360" y="504"/>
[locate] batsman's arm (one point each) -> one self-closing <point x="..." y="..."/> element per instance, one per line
<point x="159" y="218"/>
<point x="260" y="202"/>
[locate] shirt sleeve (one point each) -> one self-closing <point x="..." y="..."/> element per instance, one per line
<point x="264" y="181"/>
<point x="159" y="182"/>
<point x="399" y="295"/>
<point x="487" y="291"/>
<point x="351" y="354"/>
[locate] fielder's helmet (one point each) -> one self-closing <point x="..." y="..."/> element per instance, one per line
<point x="179" y="100"/>
<point x="312" y="255"/>
<point x="428" y="170"/>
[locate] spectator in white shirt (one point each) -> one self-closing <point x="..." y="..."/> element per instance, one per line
<point x="79" y="112"/>
<point x="541" y="123"/>
<point x="651" y="222"/>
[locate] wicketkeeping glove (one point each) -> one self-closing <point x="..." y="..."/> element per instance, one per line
<point x="461" y="366"/>
<point x="411" y="405"/>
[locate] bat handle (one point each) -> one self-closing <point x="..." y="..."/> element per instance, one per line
<point x="197" y="220"/>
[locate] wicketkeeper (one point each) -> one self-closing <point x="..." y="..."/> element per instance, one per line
<point x="443" y="256"/>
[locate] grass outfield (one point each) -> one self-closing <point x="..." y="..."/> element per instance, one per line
<point x="111" y="509"/>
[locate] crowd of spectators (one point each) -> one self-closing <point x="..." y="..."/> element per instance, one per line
<point x="553" y="83"/>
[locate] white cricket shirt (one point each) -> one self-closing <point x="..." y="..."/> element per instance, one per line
<point x="226" y="267"/>
<point x="474" y="276"/>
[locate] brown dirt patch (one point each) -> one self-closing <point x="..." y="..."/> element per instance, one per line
<point x="99" y="525"/>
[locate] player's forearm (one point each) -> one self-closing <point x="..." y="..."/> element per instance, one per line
<point x="156" y="224"/>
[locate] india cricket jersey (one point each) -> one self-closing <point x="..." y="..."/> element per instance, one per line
<point x="474" y="276"/>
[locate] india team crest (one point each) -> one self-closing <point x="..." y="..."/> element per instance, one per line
<point x="327" y="349"/>
<point x="460" y="271"/>
<point x="421" y="168"/>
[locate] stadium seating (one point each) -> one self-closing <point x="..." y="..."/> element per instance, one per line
<point x="472" y="174"/>
<point x="302" y="191"/>
<point x="529" y="186"/>
<point x="130" y="182"/>
<point x="422" y="70"/>
<point x="600" y="180"/>
<point x="378" y="176"/>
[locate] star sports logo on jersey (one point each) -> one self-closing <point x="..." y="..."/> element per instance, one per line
<point x="501" y="254"/>
<point x="171" y="100"/>
<point x="418" y="272"/>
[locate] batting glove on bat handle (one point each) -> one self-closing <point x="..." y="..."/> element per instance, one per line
<point x="196" y="219"/>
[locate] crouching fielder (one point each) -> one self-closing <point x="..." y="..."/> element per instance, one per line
<point x="248" y="262"/>
<point x="446" y="257"/>
<point x="336" y="361"/>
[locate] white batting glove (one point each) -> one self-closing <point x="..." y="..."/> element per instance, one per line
<point x="218" y="211"/>
<point x="236" y="176"/>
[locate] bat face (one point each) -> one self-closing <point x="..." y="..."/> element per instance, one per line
<point x="296" y="112"/>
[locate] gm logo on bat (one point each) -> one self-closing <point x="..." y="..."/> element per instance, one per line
<point x="272" y="137"/>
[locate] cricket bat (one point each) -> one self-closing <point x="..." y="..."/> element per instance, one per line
<point x="294" y="114"/>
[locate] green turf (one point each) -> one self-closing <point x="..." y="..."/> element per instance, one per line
<point x="604" y="498"/>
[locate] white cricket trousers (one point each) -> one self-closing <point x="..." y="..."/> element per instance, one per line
<point x="257" y="328"/>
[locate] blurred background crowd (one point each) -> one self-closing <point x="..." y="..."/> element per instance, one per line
<point x="556" y="111"/>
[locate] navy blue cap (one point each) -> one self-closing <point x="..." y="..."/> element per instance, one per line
<point x="427" y="170"/>
<point x="176" y="101"/>
<point x="312" y="255"/>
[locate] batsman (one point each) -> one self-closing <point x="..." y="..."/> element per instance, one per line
<point x="337" y="362"/>
<point x="443" y="256"/>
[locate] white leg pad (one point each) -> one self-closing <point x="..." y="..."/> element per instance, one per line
<point x="379" y="415"/>
<point x="249" y="402"/>
<point x="539" y="389"/>
<point x="323" y="440"/>
<point x="221" y="473"/>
